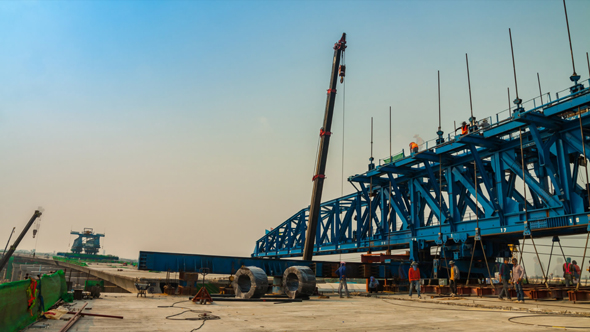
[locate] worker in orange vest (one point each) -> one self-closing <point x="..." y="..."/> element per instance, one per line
<point x="32" y="295"/>
<point x="464" y="128"/>
<point x="413" y="147"/>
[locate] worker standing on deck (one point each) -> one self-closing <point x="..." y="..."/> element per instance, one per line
<point x="455" y="273"/>
<point x="414" y="277"/>
<point x="576" y="272"/>
<point x="464" y="128"/>
<point x="568" y="272"/>
<point x="341" y="272"/>
<point x="413" y="147"/>
<point x="504" y="278"/>
<point x="517" y="276"/>
<point x="484" y="124"/>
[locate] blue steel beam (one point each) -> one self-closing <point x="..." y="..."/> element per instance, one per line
<point x="552" y="144"/>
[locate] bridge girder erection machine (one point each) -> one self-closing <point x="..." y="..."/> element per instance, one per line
<point x="470" y="187"/>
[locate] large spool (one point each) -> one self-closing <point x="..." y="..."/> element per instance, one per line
<point x="299" y="282"/>
<point x="250" y="282"/>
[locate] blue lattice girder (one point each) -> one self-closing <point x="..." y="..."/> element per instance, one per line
<point x="471" y="180"/>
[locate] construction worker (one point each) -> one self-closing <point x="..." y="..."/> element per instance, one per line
<point x="455" y="274"/>
<point x="373" y="285"/>
<point x="414" y="277"/>
<point x="576" y="272"/>
<point x="517" y="276"/>
<point x="568" y="272"/>
<point x="341" y="272"/>
<point x="413" y="147"/>
<point x="31" y="295"/>
<point x="484" y="123"/>
<point x="504" y="279"/>
<point x="464" y="128"/>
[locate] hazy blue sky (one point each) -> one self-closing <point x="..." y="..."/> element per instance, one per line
<point x="191" y="126"/>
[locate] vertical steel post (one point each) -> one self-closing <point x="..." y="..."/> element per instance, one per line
<point x="318" y="179"/>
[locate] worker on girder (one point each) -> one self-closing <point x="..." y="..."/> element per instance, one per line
<point x="464" y="128"/>
<point x="413" y="147"/>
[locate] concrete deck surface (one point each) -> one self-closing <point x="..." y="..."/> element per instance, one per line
<point x="359" y="313"/>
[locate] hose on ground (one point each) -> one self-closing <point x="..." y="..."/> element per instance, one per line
<point x="201" y="314"/>
<point x="509" y="319"/>
<point x="544" y="325"/>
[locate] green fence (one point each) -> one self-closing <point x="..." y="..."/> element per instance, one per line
<point x="68" y="260"/>
<point x="395" y="158"/>
<point x="14" y="312"/>
<point x="91" y="283"/>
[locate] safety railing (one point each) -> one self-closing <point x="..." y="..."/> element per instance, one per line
<point x="535" y="104"/>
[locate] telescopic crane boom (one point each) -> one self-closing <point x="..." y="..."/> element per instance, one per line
<point x="13" y="247"/>
<point x="318" y="178"/>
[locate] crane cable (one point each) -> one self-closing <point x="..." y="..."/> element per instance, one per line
<point x="526" y="216"/>
<point x="476" y="185"/>
<point x="550" y="255"/>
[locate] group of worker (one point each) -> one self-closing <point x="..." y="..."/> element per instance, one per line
<point x="508" y="275"/>
<point x="515" y="279"/>
<point x="465" y="129"/>
<point x="571" y="272"/>
<point x="414" y="278"/>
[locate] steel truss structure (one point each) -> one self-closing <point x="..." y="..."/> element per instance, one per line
<point x="471" y="185"/>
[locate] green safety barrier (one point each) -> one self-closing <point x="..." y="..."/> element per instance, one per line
<point x="53" y="287"/>
<point x="14" y="312"/>
<point x="91" y="283"/>
<point x="71" y="261"/>
<point x="395" y="158"/>
<point x="88" y="256"/>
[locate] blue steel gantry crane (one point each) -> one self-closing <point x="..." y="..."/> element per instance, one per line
<point x="87" y="241"/>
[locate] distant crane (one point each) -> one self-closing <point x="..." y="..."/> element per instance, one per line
<point x="87" y="241"/>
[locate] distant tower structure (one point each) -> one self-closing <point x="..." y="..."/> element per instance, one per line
<point x="87" y="241"/>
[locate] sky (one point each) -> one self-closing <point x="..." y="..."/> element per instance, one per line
<point x="192" y="126"/>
